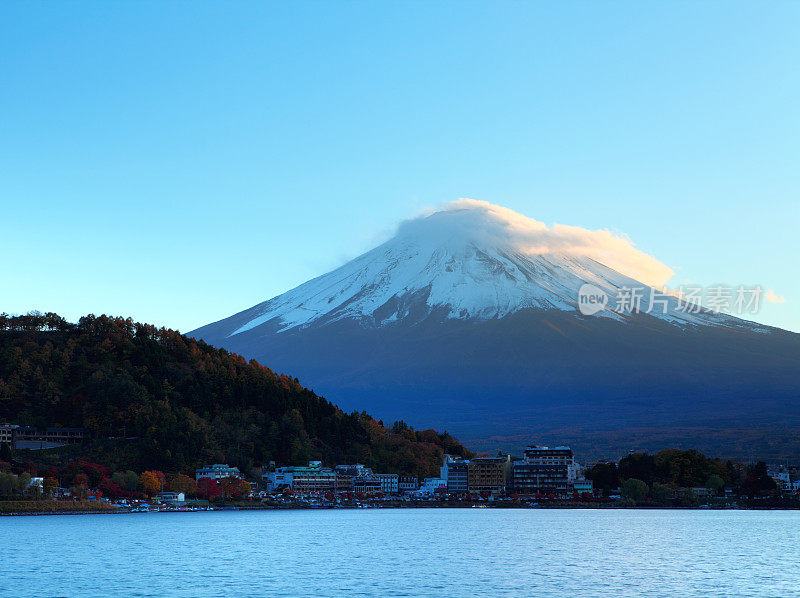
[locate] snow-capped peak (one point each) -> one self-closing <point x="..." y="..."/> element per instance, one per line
<point x="472" y="260"/>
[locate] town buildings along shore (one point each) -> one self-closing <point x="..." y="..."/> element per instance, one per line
<point x="542" y="470"/>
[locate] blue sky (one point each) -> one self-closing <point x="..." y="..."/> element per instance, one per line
<point x="179" y="162"/>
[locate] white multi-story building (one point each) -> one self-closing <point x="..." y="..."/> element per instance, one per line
<point x="390" y="482"/>
<point x="217" y="471"/>
<point x="408" y="483"/>
<point x="455" y="473"/>
<point x="366" y="484"/>
<point x="781" y="477"/>
<point x="301" y="480"/>
<point x="545" y="470"/>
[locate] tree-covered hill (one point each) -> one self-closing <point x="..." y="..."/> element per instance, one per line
<point x="153" y="398"/>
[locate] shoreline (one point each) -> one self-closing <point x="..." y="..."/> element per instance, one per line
<point x="410" y="506"/>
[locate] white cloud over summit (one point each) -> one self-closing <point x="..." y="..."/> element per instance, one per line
<point x="484" y="222"/>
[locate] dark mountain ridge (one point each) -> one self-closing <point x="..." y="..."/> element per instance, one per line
<point x="153" y="398"/>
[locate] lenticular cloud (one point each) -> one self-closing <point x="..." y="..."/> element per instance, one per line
<point x="488" y="223"/>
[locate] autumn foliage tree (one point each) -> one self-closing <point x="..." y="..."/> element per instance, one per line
<point x="151" y="482"/>
<point x="183" y="483"/>
<point x="110" y="488"/>
<point x="208" y="488"/>
<point x="244" y="488"/>
<point x="80" y="485"/>
<point x="234" y="487"/>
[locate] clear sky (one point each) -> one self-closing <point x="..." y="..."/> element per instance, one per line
<point x="178" y="162"/>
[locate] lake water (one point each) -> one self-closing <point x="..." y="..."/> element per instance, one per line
<point x="404" y="552"/>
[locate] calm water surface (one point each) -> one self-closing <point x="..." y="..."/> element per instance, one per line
<point x="408" y="552"/>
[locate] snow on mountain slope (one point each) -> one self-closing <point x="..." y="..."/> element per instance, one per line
<point x="477" y="260"/>
<point x="468" y="320"/>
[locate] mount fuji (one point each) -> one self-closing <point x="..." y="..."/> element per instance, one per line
<point x="473" y="319"/>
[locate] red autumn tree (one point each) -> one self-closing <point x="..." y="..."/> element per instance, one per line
<point x="110" y="488"/>
<point x="208" y="488"/>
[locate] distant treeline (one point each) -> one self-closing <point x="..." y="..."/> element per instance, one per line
<point x="153" y="398"/>
<point x="656" y="476"/>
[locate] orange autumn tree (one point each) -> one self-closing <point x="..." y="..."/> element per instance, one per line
<point x="151" y="482"/>
<point x="245" y="488"/>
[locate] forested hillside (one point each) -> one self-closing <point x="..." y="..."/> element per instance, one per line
<point x="153" y="398"/>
